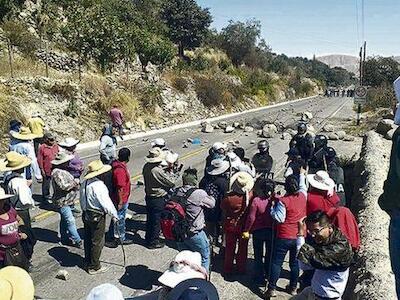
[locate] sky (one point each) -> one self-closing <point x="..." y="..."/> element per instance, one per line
<point x="320" y="27"/>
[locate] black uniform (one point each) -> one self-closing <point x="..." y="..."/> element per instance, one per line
<point x="262" y="162"/>
<point x="304" y="144"/>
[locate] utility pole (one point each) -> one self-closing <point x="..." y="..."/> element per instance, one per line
<point x="363" y="57"/>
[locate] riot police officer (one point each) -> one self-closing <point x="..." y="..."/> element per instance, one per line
<point x="262" y="160"/>
<point x="303" y="142"/>
<point x="318" y="160"/>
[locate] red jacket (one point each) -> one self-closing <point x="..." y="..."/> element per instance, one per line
<point x="235" y="211"/>
<point x="121" y="180"/>
<point x="45" y="155"/>
<point x="320" y="201"/>
<point x="344" y="219"/>
<point x="296" y="208"/>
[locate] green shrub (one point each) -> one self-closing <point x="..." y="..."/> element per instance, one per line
<point x="224" y="64"/>
<point x="209" y="91"/>
<point x="305" y="88"/>
<point x="200" y="63"/>
<point x="380" y="97"/>
<point x="72" y="109"/>
<point x="150" y="97"/>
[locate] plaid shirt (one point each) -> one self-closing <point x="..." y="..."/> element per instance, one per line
<point x="65" y="188"/>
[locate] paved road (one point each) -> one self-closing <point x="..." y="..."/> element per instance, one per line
<point x="143" y="265"/>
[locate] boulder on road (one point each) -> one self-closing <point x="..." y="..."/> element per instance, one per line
<point x="269" y="130"/>
<point x="252" y="142"/>
<point x="310" y="128"/>
<point x="229" y="129"/>
<point x="236" y="124"/>
<point x="208" y="128"/>
<point x="389" y="134"/>
<point x="259" y="132"/>
<point x="222" y="125"/>
<point x="348" y="138"/>
<point x="248" y="129"/>
<point x="306" y="116"/>
<point x="328" y="128"/>
<point x="341" y="134"/>
<point x="332" y="136"/>
<point x="63" y="275"/>
<point x="384" y="126"/>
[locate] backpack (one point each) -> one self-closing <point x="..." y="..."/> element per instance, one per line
<point x="174" y="223"/>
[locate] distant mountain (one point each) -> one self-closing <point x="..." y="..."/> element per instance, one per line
<point x="348" y="62"/>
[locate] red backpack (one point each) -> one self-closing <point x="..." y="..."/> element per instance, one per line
<point x="174" y="223"/>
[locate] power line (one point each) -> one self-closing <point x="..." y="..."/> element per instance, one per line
<point x="357" y="25"/>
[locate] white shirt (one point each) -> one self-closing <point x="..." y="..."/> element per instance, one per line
<point x="325" y="283"/>
<point x="27" y="149"/>
<point x="94" y="195"/>
<point x="19" y="187"/>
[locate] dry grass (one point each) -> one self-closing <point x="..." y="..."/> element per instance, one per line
<point x="125" y="101"/>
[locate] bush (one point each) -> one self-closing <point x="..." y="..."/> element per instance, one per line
<point x="125" y="101"/>
<point x="224" y="64"/>
<point x="150" y="97"/>
<point x="200" y="63"/>
<point x="64" y="90"/>
<point x="380" y="97"/>
<point x="180" y="83"/>
<point x="305" y="88"/>
<point x="96" y="86"/>
<point x="72" y="109"/>
<point x="209" y="91"/>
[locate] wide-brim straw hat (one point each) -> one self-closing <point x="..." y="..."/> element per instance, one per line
<point x="95" y="168"/>
<point x="242" y="182"/>
<point x="3" y="195"/>
<point x="69" y="142"/>
<point x="24" y="134"/>
<point x="14" y="161"/>
<point x="186" y="265"/>
<point x="156" y="155"/>
<point x="321" y="181"/>
<point x="218" y="167"/>
<point x="62" y="158"/>
<point x="16" y="284"/>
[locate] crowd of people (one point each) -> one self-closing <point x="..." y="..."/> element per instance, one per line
<point x="235" y="198"/>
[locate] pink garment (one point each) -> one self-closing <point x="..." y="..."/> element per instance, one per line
<point x="259" y="215"/>
<point x="117" y="118"/>
<point x="8" y="231"/>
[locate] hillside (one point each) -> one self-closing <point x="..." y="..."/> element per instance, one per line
<point x="72" y="61"/>
<point x="347" y="62"/>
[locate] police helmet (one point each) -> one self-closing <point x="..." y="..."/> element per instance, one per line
<point x="263" y="145"/>
<point x="330" y="153"/>
<point x="302" y="128"/>
<point x="320" y="141"/>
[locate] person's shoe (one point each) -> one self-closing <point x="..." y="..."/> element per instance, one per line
<point x="270" y="293"/>
<point x="128" y="242"/>
<point x="111" y="244"/>
<point x="77" y="244"/>
<point x="156" y="245"/>
<point x="99" y="271"/>
<point x="291" y="290"/>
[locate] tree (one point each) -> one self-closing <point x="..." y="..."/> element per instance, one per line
<point x="187" y="23"/>
<point x="17" y="35"/>
<point x="239" y="39"/>
<point x="381" y="70"/>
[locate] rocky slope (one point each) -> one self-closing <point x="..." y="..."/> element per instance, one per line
<point x="350" y="63"/>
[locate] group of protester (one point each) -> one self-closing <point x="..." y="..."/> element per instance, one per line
<point x="235" y="197"/>
<point x="339" y="92"/>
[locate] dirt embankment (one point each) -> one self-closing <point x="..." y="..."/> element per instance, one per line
<point x="372" y="278"/>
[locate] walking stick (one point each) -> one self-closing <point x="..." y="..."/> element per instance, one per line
<point x="122" y="244"/>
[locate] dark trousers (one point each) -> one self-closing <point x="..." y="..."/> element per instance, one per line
<point x="93" y="241"/>
<point x="231" y="240"/>
<point x="26" y="217"/>
<point x="46" y="188"/>
<point x="262" y="239"/>
<point x="36" y="144"/>
<point x="154" y="208"/>
<point x="282" y="246"/>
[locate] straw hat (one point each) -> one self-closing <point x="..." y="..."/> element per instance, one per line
<point x="62" y="158"/>
<point x="218" y="146"/>
<point x="24" y="134"/>
<point x="242" y="182"/>
<point x="95" y="168"/>
<point x="156" y="155"/>
<point x="14" y="161"/>
<point x="3" y="194"/>
<point x="321" y="181"/>
<point x="218" y="167"/>
<point x="170" y="158"/>
<point x="16" y="284"/>
<point x="186" y="265"/>
<point x="68" y="142"/>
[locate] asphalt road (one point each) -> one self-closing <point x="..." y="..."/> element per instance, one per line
<point x="143" y="265"/>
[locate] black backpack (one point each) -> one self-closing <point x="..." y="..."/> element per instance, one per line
<point x="174" y="223"/>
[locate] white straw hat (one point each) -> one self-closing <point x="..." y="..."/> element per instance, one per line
<point x="321" y="181"/>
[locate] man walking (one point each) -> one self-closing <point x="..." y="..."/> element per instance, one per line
<point x="117" y="119"/>
<point x="157" y="183"/>
<point x="120" y="197"/>
<point x="66" y="190"/>
<point x="196" y="202"/>
<point x="47" y="152"/>
<point x="328" y="253"/>
<point x="95" y="204"/>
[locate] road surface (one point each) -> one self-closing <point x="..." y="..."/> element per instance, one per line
<point x="145" y="266"/>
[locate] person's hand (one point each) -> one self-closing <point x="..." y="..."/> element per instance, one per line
<point x="246" y="235"/>
<point x="120" y="206"/>
<point x="303" y="170"/>
<point x="115" y="220"/>
<point x="301" y="227"/>
<point x="23" y="236"/>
